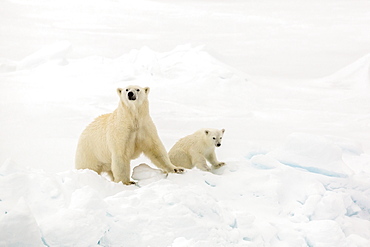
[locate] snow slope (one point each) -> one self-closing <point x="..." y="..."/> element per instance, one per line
<point x="297" y="150"/>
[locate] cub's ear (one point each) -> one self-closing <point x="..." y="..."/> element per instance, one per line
<point x="223" y="131"/>
<point x="206" y="131"/>
<point x="146" y="90"/>
<point x="119" y="91"/>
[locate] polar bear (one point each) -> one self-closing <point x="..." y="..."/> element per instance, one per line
<point x="112" y="140"/>
<point x="195" y="149"/>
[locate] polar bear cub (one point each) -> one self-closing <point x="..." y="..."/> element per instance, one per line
<point x="112" y="140"/>
<point x="195" y="149"/>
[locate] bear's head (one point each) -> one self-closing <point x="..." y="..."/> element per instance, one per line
<point x="214" y="136"/>
<point x="133" y="95"/>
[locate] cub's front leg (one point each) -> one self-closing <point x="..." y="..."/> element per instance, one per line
<point x="200" y="162"/>
<point x="219" y="165"/>
<point x="213" y="160"/>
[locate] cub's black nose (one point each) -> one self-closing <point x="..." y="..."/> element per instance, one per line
<point x="218" y="144"/>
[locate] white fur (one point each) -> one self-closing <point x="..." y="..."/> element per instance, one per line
<point x="112" y="140"/>
<point x="195" y="149"/>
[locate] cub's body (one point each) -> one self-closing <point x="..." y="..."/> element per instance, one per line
<point x="196" y="149"/>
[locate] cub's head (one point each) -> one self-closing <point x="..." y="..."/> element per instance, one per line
<point x="214" y="136"/>
<point x="133" y="95"/>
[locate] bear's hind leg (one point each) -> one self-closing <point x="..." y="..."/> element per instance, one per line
<point x="84" y="161"/>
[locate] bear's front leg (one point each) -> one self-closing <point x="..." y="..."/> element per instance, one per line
<point x="162" y="161"/>
<point x="156" y="152"/>
<point x="213" y="160"/>
<point x="121" y="170"/>
<point x="218" y="165"/>
<point x="200" y="162"/>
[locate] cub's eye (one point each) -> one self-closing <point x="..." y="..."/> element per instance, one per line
<point x="220" y="138"/>
<point x="214" y="138"/>
<point x="138" y="90"/>
<point x="126" y="89"/>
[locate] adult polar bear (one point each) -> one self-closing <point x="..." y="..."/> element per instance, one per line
<point x="112" y="140"/>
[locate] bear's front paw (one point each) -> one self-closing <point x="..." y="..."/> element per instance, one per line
<point x="130" y="183"/>
<point x="179" y="170"/>
<point x="219" y="165"/>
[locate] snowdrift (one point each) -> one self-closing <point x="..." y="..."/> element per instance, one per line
<point x="355" y="76"/>
<point x="251" y="202"/>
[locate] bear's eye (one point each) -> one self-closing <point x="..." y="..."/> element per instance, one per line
<point x="138" y="90"/>
<point x="126" y="89"/>
<point x="214" y="138"/>
<point x="220" y="138"/>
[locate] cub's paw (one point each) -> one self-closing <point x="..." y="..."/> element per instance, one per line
<point x="179" y="170"/>
<point x="219" y="165"/>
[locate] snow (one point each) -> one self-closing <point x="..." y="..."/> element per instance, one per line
<point x="288" y="80"/>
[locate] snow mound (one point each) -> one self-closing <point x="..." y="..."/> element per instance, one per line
<point x="82" y="208"/>
<point x="246" y="205"/>
<point x="56" y="53"/>
<point x="325" y="233"/>
<point x="19" y="227"/>
<point x="313" y="153"/>
<point x="355" y="76"/>
<point x="145" y="174"/>
<point x="182" y="60"/>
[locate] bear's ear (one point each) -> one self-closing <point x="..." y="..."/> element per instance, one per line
<point x="146" y="90"/>
<point x="223" y="131"/>
<point x="119" y="91"/>
<point x="206" y="131"/>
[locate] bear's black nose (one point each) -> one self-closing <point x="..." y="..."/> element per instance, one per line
<point x="131" y="96"/>
<point x="218" y="144"/>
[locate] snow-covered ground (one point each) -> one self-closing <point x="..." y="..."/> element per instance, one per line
<point x="288" y="80"/>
